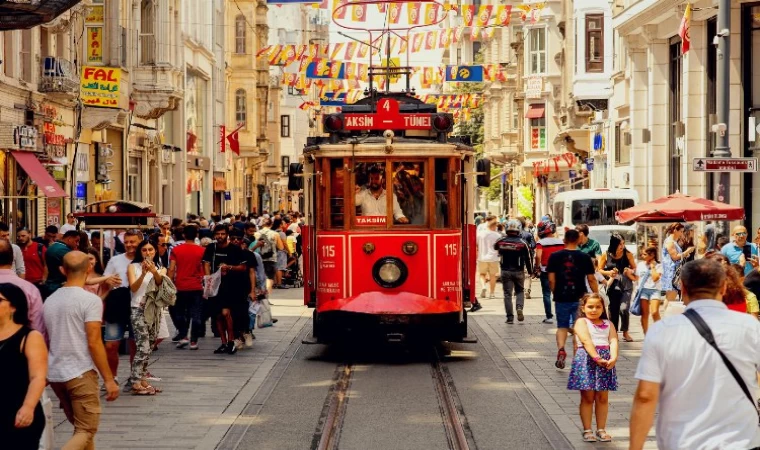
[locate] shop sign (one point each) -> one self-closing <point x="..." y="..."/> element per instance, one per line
<point x="58" y="172"/>
<point x="535" y="87"/>
<point x="220" y="184"/>
<point x="53" y="211"/>
<point x="95" y="44"/>
<point x="25" y="137"/>
<point x="95" y="14"/>
<point x="49" y="112"/>
<point x="55" y="139"/>
<point x="227" y="195"/>
<point x="100" y="86"/>
<point x="538" y="138"/>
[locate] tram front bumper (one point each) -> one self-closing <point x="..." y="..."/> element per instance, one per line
<point x="389" y="304"/>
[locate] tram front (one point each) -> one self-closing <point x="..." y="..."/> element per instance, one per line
<point x="390" y="248"/>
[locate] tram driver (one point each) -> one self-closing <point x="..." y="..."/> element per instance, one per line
<point x="372" y="201"/>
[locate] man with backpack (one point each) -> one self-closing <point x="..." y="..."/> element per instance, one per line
<point x="268" y="244"/>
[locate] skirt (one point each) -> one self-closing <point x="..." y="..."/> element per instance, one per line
<point x="586" y="375"/>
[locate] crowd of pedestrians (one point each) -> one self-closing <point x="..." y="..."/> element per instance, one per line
<point x="70" y="298"/>
<point x="700" y="368"/>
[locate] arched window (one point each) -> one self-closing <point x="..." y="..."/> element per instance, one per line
<point x="147" y="32"/>
<point x="240" y="34"/>
<point x="241" y="115"/>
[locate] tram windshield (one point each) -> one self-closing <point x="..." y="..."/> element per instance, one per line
<point x="414" y="184"/>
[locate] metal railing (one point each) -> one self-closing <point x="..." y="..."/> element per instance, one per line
<point x="58" y="75"/>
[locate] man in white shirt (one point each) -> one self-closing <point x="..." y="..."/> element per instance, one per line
<point x="488" y="257"/>
<point x="71" y="224"/>
<point x="702" y="406"/>
<point x="372" y="199"/>
<point x="72" y="318"/>
<point x="19" y="267"/>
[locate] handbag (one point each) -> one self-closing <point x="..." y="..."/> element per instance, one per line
<point x="706" y="333"/>
<point x="264" y="315"/>
<point x="677" y="278"/>
<point x="211" y="283"/>
<point x="635" y="308"/>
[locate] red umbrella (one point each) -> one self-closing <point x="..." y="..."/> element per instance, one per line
<point x="680" y="208"/>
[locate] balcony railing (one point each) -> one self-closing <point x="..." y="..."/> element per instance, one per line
<point x="58" y="75"/>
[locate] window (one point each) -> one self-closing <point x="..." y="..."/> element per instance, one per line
<point x="558" y="213"/>
<point x="598" y="211"/>
<point x="595" y="43"/>
<point x="240" y="35"/>
<point x="408" y="203"/>
<point x="459" y="55"/>
<point x="622" y="145"/>
<point x="676" y="144"/>
<point x="538" y="134"/>
<point x="147" y="36"/>
<point x="26" y="55"/>
<point x="285" y="126"/>
<point x="284" y="164"/>
<point x="537" y="50"/>
<point x="241" y="114"/>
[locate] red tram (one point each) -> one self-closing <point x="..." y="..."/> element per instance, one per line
<point x="397" y="264"/>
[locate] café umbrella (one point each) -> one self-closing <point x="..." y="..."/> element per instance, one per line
<point x="680" y="208"/>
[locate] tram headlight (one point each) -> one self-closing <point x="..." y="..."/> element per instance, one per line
<point x="389" y="272"/>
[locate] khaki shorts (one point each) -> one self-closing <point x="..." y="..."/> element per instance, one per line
<point x="489" y="267"/>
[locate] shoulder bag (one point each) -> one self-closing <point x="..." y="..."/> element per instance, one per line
<point x="706" y="333"/>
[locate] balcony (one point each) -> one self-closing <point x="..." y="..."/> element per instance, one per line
<point x="156" y="86"/>
<point x="59" y="78"/>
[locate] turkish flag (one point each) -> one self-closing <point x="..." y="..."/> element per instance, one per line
<point x="234" y="142"/>
<point x="222" y="133"/>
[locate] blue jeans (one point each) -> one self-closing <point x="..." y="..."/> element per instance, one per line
<point x="188" y="310"/>
<point x="547" y="294"/>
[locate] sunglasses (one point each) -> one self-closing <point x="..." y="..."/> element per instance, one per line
<point x="741" y="234"/>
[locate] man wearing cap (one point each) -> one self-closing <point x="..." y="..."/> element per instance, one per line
<point x="54" y="260"/>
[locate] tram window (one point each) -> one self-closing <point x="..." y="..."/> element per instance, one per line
<point x="337" y="195"/>
<point x="370" y="199"/>
<point x="409" y="189"/>
<point x="441" y="180"/>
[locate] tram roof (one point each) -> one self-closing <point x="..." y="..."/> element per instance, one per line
<point x="377" y="146"/>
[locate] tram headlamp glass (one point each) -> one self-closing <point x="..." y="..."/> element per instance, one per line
<point x="389" y="272"/>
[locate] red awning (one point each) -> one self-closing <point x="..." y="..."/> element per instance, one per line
<point x="45" y="183"/>
<point x="535" y="112"/>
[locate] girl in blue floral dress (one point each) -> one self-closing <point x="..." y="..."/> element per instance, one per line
<point x="593" y="368"/>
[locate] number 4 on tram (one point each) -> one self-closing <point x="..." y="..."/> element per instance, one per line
<point x="389" y="247"/>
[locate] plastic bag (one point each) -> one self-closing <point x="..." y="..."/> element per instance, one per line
<point x="264" y="316"/>
<point x="211" y="284"/>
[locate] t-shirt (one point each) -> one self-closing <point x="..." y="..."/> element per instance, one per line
<point x="54" y="259"/>
<point x="230" y="255"/>
<point x="571" y="269"/>
<point x="591" y="248"/>
<point x="118" y="266"/>
<point x="66" y="312"/>
<point x="734" y="253"/>
<point x="642" y="268"/>
<point x="189" y="273"/>
<point x="33" y="262"/>
<point x="118" y="301"/>
<point x="252" y="263"/>
<point x="548" y="246"/>
<point x="486" y="240"/>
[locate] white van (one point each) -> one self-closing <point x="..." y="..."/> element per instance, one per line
<point x="591" y="206"/>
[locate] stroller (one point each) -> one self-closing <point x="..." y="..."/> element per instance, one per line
<point x="292" y="277"/>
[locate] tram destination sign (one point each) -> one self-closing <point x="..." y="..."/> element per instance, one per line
<point x="724" y="165"/>
<point x="387" y="117"/>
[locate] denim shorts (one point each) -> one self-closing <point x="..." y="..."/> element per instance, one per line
<point x="115" y="331"/>
<point x="650" y="294"/>
<point x="566" y="313"/>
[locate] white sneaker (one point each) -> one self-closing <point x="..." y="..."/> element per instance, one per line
<point x="483" y="293"/>
<point x="150" y="377"/>
<point x="238" y="343"/>
<point x="548" y="321"/>
<point x="183" y="343"/>
<point x="248" y="340"/>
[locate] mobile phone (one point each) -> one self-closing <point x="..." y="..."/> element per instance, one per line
<point x="747" y="250"/>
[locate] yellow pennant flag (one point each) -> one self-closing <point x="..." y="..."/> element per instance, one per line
<point x="362" y="52"/>
<point x="359" y="13"/>
<point x="403" y="45"/>
<point x="337" y="49"/>
<point x="431" y="13"/>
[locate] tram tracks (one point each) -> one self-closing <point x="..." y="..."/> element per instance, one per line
<point x="458" y="433"/>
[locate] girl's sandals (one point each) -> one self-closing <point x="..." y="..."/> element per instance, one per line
<point x="603" y="436"/>
<point x="143" y="390"/>
<point x="588" y="436"/>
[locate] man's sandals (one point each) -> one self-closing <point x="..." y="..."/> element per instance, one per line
<point x="145" y="390"/>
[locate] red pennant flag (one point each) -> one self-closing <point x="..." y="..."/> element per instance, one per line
<point x="222" y="134"/>
<point x="684" y="30"/>
<point x="234" y="142"/>
<point x="191" y="139"/>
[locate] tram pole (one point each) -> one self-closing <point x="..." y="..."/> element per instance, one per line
<point x="722" y="191"/>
